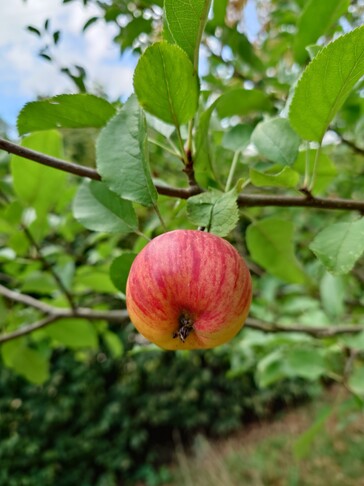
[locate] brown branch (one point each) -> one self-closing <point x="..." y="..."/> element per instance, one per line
<point x="244" y="200"/>
<point x="316" y="332"/>
<point x="118" y="316"/>
<point x="53" y="314"/>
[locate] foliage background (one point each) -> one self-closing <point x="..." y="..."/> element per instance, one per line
<point x="102" y="405"/>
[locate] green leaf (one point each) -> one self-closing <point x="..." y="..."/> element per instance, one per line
<point x="234" y="102"/>
<point x="36" y="185"/>
<point x="242" y="102"/>
<point x="122" y="155"/>
<point x="307" y="363"/>
<point x="119" y="270"/>
<point x="28" y="362"/>
<point x="73" y="333"/>
<point x="270" y="369"/>
<point x="99" y="209"/>
<point x="95" y="279"/>
<point x="339" y="246"/>
<point x="65" y="111"/>
<point x="287" y="177"/>
<point x="186" y="21"/>
<point x="315" y="20"/>
<point x="356" y="381"/>
<point x="333" y="295"/>
<point x="237" y="138"/>
<point x="325" y="169"/>
<point x="215" y="210"/>
<point x="276" y="140"/>
<point x="166" y="84"/>
<point x="270" y="243"/>
<point x="302" y="446"/>
<point x="114" y="344"/>
<point x="326" y="83"/>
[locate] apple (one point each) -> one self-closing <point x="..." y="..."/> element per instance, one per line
<point x="188" y="289"/>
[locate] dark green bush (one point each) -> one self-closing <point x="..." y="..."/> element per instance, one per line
<point x="109" y="422"/>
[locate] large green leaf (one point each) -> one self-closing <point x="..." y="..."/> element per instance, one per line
<point x="215" y="210"/>
<point x="122" y="155"/>
<point x="36" y="185"/>
<point x="314" y="21"/>
<point x="166" y="83"/>
<point x="186" y="21"/>
<point x="286" y="177"/>
<point x="73" y="333"/>
<point x="270" y="243"/>
<point x="28" y="362"/>
<point x="276" y="140"/>
<point x="65" y="111"/>
<point x="326" y="83"/>
<point x="340" y="245"/>
<point x="99" y="209"/>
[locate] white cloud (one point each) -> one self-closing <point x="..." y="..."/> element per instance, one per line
<point x="23" y="75"/>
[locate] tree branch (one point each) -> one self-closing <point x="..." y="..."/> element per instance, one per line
<point x="119" y="316"/>
<point x="244" y="200"/>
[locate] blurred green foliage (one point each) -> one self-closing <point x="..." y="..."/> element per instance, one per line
<point x="101" y="421"/>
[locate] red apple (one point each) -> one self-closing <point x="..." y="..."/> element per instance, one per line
<point x="188" y="289"/>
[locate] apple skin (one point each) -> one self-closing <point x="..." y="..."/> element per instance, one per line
<point x="188" y="289"/>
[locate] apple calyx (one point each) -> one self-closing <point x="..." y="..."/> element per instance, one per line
<point x="185" y="328"/>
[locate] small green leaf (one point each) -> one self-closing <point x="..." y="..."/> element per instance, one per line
<point x="326" y="83"/>
<point x="73" y="333"/>
<point x="287" y="177"/>
<point x="28" y="362"/>
<point x="270" y="243"/>
<point x="36" y="185"/>
<point x="215" y="210"/>
<point x="166" y="84"/>
<point x="65" y="111"/>
<point x="242" y="102"/>
<point x="302" y="446"/>
<point x="186" y="22"/>
<point x="276" y="140"/>
<point x="114" y="344"/>
<point x="119" y="270"/>
<point x="339" y="246"/>
<point x="333" y="295"/>
<point x="305" y="363"/>
<point x="237" y="138"/>
<point x="99" y="209"/>
<point x="122" y="155"/>
<point x="356" y="381"/>
<point x="315" y="20"/>
<point x="96" y="279"/>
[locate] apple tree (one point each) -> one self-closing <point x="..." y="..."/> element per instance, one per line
<point x="259" y="141"/>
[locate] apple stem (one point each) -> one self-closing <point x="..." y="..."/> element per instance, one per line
<point x="185" y="328"/>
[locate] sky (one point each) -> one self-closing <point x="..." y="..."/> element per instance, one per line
<point x="24" y="75"/>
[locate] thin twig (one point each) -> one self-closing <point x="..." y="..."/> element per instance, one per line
<point x="244" y="200"/>
<point x="49" y="267"/>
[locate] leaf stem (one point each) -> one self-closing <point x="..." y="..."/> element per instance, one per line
<point x="156" y="209"/>
<point x="232" y="170"/>
<point x="307" y="166"/>
<point x="164" y="147"/>
<point x="315" y="167"/>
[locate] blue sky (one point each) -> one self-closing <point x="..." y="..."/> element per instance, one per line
<point x="24" y="76"/>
